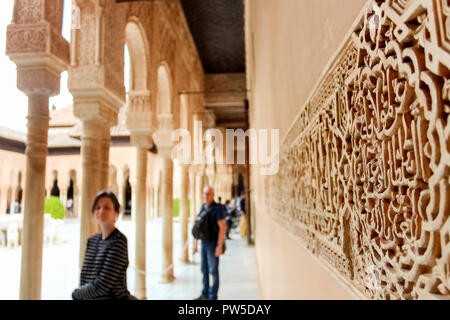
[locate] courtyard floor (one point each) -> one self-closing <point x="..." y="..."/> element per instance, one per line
<point x="238" y="272"/>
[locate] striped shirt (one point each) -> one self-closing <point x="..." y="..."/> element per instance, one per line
<point x="104" y="272"/>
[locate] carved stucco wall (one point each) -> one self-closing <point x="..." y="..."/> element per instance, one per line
<point x="365" y="167"/>
<point x="172" y="45"/>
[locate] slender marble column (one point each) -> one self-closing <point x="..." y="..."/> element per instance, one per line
<point x="3" y="194"/>
<point x="121" y="197"/>
<point x="33" y="220"/>
<point x="192" y="196"/>
<point x="155" y="201"/>
<point x="149" y="203"/>
<point x="90" y="183"/>
<point x="184" y="211"/>
<point x="140" y="220"/>
<point x="76" y="204"/>
<point x="40" y="60"/>
<point x="104" y="159"/>
<point x="167" y="213"/>
<point x="63" y="195"/>
<point x="199" y="184"/>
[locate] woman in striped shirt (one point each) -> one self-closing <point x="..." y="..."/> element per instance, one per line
<point x="104" y="272"/>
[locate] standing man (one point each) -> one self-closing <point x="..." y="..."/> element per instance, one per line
<point x="212" y="245"/>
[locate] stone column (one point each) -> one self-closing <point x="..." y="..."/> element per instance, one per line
<point x="5" y="199"/>
<point x="91" y="176"/>
<point x="224" y="182"/>
<point x="159" y="204"/>
<point x="151" y="204"/>
<point x="167" y="214"/>
<point x="139" y="123"/>
<point x="209" y="171"/>
<point x="155" y="201"/>
<point x="194" y="202"/>
<point x="98" y="94"/>
<point x="133" y="198"/>
<point x="76" y="204"/>
<point x="33" y="220"/>
<point x="105" y="142"/>
<point x="63" y="198"/>
<point x="199" y="185"/>
<point x="191" y="194"/>
<point x="121" y="197"/>
<point x="184" y="211"/>
<point x="164" y="144"/>
<point x="140" y="219"/>
<point x="35" y="44"/>
<point x="3" y="194"/>
<point x="8" y="201"/>
<point x="63" y="186"/>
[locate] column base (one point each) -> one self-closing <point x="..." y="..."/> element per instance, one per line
<point x="141" y="294"/>
<point x="185" y="260"/>
<point x="167" y="278"/>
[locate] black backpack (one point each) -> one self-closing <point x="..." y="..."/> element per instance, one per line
<point x="205" y="225"/>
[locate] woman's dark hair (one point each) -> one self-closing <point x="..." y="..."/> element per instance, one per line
<point x="106" y="194"/>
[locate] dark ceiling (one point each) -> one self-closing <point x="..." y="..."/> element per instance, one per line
<point x="218" y="30"/>
<point x="217" y="27"/>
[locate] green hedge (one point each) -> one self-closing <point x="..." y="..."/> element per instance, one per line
<point x="55" y="207"/>
<point x="176" y="207"/>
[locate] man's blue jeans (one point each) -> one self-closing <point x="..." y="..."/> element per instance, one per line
<point x="210" y="265"/>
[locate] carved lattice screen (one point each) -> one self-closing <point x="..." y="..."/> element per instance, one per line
<point x="365" y="168"/>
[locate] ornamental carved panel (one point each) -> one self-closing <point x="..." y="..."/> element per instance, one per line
<point x="364" y="178"/>
<point x="28" y="11"/>
<point x="22" y="39"/>
<point x="139" y="112"/>
<point x="36" y="29"/>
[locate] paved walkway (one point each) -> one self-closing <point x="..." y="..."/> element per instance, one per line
<point x="60" y="267"/>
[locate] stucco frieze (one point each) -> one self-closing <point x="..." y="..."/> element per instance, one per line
<point x="139" y="112"/>
<point x="363" y="180"/>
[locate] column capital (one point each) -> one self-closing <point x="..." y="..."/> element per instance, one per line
<point x="139" y="112"/>
<point x="184" y="167"/>
<point x="207" y="118"/>
<point x="38" y="80"/>
<point x="163" y="136"/>
<point x="197" y="169"/>
<point x="141" y="138"/>
<point x="97" y="105"/>
<point x="165" y="122"/>
<point x="165" y="150"/>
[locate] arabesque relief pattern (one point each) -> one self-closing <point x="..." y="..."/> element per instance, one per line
<point x="365" y="168"/>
